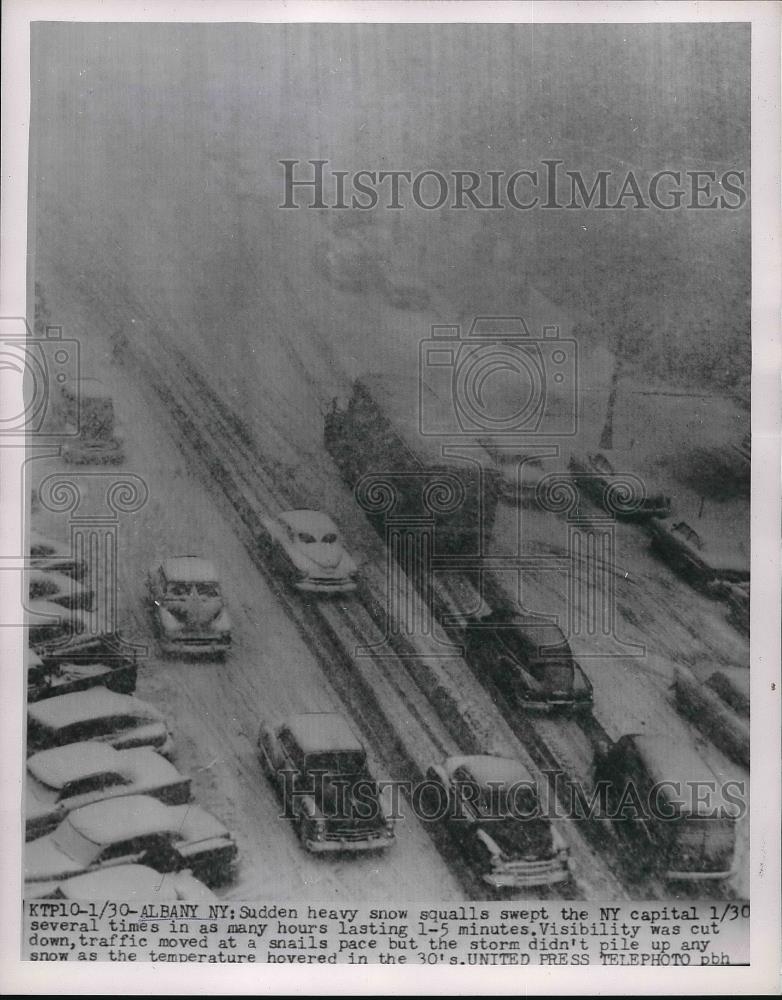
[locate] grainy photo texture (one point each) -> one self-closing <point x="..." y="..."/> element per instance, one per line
<point x="388" y="474"/>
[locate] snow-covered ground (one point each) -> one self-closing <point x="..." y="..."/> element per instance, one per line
<point x="156" y="221"/>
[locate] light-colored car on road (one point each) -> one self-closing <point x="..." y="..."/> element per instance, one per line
<point x="305" y="547"/>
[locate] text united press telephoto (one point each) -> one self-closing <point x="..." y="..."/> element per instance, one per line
<point x="388" y="462"/>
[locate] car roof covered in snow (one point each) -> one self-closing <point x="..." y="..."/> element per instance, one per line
<point x="668" y="759"/>
<point x="110" y="820"/>
<point x="319" y="732"/>
<point x="189" y="569"/>
<point x="96" y="702"/>
<point x="125" y="882"/>
<point x="58" y="766"/>
<point x="487" y="769"/>
<point x="313" y="521"/>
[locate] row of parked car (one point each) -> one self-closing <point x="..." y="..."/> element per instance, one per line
<point x="107" y="813"/>
<point x="709" y="564"/>
<point x="712" y="565"/>
<point x="99" y="754"/>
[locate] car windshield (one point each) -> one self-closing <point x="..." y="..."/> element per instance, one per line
<point x="208" y="589"/>
<point x="498" y="802"/>
<point x="329" y="538"/>
<point x="306" y="538"/>
<point x="177" y="589"/>
<point x="351" y="762"/>
<point x="72" y="842"/>
<point x="555" y="677"/>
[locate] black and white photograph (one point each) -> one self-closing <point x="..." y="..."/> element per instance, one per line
<point x="390" y="474"/>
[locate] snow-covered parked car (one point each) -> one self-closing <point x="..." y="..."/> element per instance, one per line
<point x="126" y="883"/>
<point x="87" y="667"/>
<point x="58" y="588"/>
<point x="707" y="563"/>
<point x="597" y="473"/>
<point x="135" y="829"/>
<point x="320" y="770"/>
<point x="49" y="554"/>
<point x="68" y="777"/>
<point x="305" y="547"/>
<point x="490" y="806"/>
<point x="51" y="625"/>
<point x="120" y="720"/>
<point x="188" y="607"/>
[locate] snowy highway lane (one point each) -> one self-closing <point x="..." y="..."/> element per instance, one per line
<point x="215" y="708"/>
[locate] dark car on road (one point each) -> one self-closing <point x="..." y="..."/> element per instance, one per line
<point x="491" y="810"/>
<point x="528" y="661"/>
<point x="667" y="805"/>
<point x="321" y="772"/>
